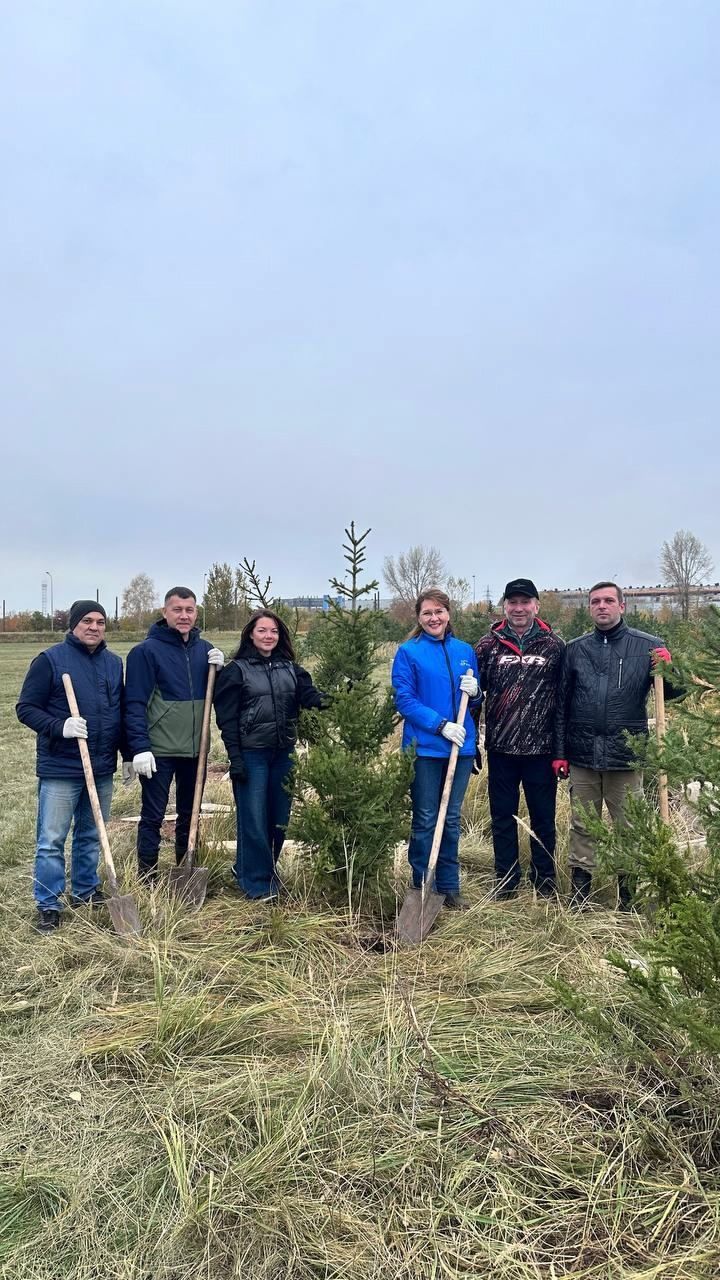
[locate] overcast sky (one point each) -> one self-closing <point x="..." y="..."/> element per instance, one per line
<point x="448" y="269"/>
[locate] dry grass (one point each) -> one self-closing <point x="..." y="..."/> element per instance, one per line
<point x="280" y="1093"/>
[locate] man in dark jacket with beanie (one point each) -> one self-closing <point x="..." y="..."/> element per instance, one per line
<point x="520" y="663"/>
<point x="166" y="684"/>
<point x="97" y="677"/>
<point x="607" y="675"/>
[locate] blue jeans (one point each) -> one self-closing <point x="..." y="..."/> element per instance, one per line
<point x="60" y="800"/>
<point x="425" y="793"/>
<point x="263" y="812"/>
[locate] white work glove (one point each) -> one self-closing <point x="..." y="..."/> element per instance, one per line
<point x="216" y="658"/>
<point x="144" y="764"/>
<point x="454" y="732"/>
<point x="75" y="727"/>
<point x="128" y="773"/>
<point x="469" y="685"/>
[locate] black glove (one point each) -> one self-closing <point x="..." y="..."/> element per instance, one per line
<point x="238" y="772"/>
<point x="477" y="762"/>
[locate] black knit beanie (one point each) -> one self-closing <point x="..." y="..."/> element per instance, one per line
<point x="80" y="607"/>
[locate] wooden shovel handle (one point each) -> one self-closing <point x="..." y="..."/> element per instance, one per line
<point x="444" y="802"/>
<point x="202" y="760"/>
<point x="92" y="789"/>
<point x="660" y="734"/>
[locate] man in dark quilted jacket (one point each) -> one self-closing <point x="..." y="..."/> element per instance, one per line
<point x="607" y="675"/>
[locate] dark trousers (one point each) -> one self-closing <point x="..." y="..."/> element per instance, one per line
<point x="263" y="811"/>
<point x="506" y="774"/>
<point x="155" y="792"/>
<point x="426" y="794"/>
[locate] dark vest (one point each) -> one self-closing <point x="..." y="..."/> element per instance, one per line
<point x="97" y="680"/>
<point x="269" y="706"/>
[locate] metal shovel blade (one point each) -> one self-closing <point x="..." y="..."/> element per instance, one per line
<point x="124" y="914"/>
<point x="416" y="918"/>
<point x="189" y="883"/>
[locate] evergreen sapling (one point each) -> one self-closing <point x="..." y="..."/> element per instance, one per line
<point x="352" y="786"/>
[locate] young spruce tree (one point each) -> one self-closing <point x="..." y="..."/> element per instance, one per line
<point x="676" y="990"/>
<point x="351" y="788"/>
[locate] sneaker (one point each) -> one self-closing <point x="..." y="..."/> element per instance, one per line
<point x="626" y="896"/>
<point x="545" y="888"/>
<point x="504" y="893"/>
<point x="148" y="876"/>
<point x="48" y="920"/>
<point x="454" y="902"/>
<point x="581" y="885"/>
<point x="97" y="899"/>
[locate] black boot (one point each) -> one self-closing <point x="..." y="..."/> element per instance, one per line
<point x="581" y="888"/>
<point x="626" y="893"/>
<point x="48" y="920"/>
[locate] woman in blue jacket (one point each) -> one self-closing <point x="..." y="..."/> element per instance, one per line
<point x="430" y="672"/>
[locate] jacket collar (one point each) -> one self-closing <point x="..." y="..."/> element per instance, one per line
<point x="504" y="633"/>
<point x="82" y="648"/>
<point x="614" y="633"/>
<point x="169" y="635"/>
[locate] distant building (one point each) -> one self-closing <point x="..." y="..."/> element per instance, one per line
<point x="649" y="599"/>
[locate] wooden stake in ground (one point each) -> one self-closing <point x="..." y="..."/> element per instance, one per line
<point x="660" y="734"/>
<point x="122" y="908"/>
<point x="422" y="907"/>
<point x="188" y="881"/>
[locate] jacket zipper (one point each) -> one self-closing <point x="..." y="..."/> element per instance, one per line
<point x="619" y="684"/>
<point x="272" y="695"/>
<point x="452" y="681"/>
<point x="192" y="695"/>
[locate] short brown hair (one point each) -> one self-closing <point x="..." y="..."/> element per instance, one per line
<point x="183" y="593"/>
<point x="598" y="585"/>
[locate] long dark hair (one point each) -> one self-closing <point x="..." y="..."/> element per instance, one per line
<point x="284" y="646"/>
<point x="432" y="593"/>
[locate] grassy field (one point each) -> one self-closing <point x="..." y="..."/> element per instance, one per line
<point x="278" y="1093"/>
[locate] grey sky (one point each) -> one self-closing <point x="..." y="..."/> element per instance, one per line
<point x="450" y="270"/>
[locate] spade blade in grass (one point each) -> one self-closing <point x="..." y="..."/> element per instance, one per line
<point x="124" y="914"/>
<point x="416" y="917"/>
<point x="189" y="883"/>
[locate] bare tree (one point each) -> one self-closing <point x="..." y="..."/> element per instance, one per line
<point x="684" y="563"/>
<point x="413" y="571"/>
<point x="458" y="590"/>
<point x="139" y="597"/>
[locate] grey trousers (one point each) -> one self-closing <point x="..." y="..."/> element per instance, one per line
<point x="589" y="787"/>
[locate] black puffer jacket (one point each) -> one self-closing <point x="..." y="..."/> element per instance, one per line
<point x="605" y="682"/>
<point x="258" y="701"/>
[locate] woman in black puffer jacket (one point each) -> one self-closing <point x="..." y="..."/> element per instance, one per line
<point x="258" y="699"/>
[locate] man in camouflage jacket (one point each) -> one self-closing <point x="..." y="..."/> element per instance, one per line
<point x="520" y="663"/>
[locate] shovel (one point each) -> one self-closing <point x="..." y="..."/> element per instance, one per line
<point x="122" y="908"/>
<point x="187" y="881"/>
<point x="422" y="907"/>
<point x="660" y="734"/>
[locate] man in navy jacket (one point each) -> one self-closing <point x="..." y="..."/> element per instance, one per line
<point x="166" y="682"/>
<point x="63" y="799"/>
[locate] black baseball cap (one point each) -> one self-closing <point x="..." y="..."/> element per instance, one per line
<point x="521" y="587"/>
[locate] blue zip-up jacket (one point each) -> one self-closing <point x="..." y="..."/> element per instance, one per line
<point x="43" y="706"/>
<point x="166" y="680"/>
<point x="426" y="677"/>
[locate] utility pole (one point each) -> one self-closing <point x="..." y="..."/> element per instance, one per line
<point x="52" y="601"/>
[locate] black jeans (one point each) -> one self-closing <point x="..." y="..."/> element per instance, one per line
<point x="505" y="776"/>
<point x="155" y="792"/>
